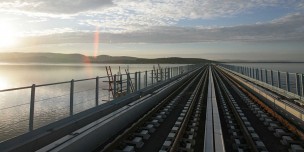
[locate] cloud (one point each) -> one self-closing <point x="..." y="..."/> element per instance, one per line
<point x="287" y="28"/>
<point x="132" y="15"/>
<point x="147" y="12"/>
<point x="54" y="6"/>
<point x="52" y="31"/>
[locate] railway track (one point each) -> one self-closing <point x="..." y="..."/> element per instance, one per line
<point x="208" y="111"/>
<point x="170" y="125"/>
<point x="251" y="127"/>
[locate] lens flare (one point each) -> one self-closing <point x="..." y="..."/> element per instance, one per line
<point x="96" y="42"/>
<point x="87" y="63"/>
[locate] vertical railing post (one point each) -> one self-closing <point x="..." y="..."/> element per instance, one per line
<point x="250" y="72"/>
<point x="161" y="74"/>
<point x="128" y="83"/>
<point x="271" y="77"/>
<point x="266" y="76"/>
<point x="146" y="78"/>
<point x="302" y="84"/>
<point x="120" y="82"/>
<point x="287" y="82"/>
<point x="298" y="84"/>
<point x="168" y="71"/>
<point x="156" y="75"/>
<point x="32" y="108"/>
<point x="256" y="74"/>
<point x="97" y="91"/>
<point x="115" y="87"/>
<point x="261" y="73"/>
<point x="152" y="81"/>
<point x="244" y="71"/>
<point x="279" y="79"/>
<point x="135" y="81"/>
<point x="71" y="97"/>
<point x="139" y="81"/>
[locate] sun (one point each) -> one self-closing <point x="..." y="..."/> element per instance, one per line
<point x="3" y="83"/>
<point x="8" y="35"/>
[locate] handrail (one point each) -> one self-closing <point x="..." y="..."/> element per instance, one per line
<point x="292" y="83"/>
<point x="97" y="92"/>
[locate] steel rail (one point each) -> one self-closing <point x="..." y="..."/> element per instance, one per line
<point x="272" y="112"/>
<point x="114" y="143"/>
<point x="185" y="122"/>
<point x="244" y="130"/>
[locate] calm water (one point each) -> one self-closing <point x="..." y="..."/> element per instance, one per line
<point x="51" y="102"/>
<point x="18" y="75"/>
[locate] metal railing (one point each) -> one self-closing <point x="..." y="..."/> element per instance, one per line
<point x="50" y="102"/>
<point x="287" y="82"/>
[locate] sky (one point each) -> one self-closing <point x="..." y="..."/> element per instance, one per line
<point x="210" y="29"/>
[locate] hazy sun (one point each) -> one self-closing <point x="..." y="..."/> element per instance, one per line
<point x="3" y="83"/>
<point x="7" y="35"/>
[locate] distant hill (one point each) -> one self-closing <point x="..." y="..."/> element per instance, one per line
<point x="79" y="58"/>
